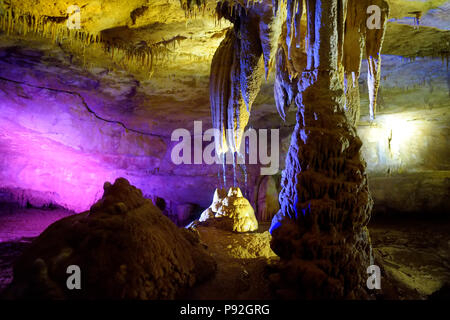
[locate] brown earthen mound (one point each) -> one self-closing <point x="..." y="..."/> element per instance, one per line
<point x="125" y="248"/>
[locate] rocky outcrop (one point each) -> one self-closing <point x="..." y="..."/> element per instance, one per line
<point x="230" y="211"/>
<point x="124" y="247"/>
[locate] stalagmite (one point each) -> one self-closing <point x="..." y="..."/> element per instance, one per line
<point x="320" y="231"/>
<point x="353" y="46"/>
<point x="123" y="239"/>
<point x="229" y="211"/>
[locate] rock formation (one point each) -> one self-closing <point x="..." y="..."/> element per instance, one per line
<point x="124" y="247"/>
<point x="101" y="119"/>
<point x="238" y="67"/>
<point x="320" y="232"/>
<point x="230" y="211"/>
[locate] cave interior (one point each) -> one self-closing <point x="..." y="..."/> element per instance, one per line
<point x="225" y="149"/>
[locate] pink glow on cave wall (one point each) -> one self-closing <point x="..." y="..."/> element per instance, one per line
<point x="54" y="150"/>
<point x="53" y="172"/>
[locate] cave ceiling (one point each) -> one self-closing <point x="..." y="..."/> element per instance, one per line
<point x="169" y="88"/>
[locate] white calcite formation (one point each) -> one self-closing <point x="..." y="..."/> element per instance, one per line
<point x="231" y="211"/>
<point x="320" y="231"/>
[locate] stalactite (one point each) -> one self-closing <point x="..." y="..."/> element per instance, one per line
<point x="219" y="85"/>
<point x="284" y="89"/>
<point x="237" y="84"/>
<point x="293" y="23"/>
<point x="269" y="33"/>
<point x="238" y="113"/>
<point x="250" y="58"/>
<point x="374" y="40"/>
<point x="192" y="7"/>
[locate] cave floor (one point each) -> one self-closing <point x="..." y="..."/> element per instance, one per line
<point x="414" y="255"/>
<point x="18" y="227"/>
<point x="242" y="259"/>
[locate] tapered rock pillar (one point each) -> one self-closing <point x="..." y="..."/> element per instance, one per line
<point x="320" y="231"/>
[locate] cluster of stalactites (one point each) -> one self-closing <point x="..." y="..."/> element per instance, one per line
<point x="238" y="66"/>
<point x="191" y="4"/>
<point x="374" y="41"/>
<point x="357" y="37"/>
<point x="265" y="26"/>
<point x="141" y="57"/>
<point x="193" y="7"/>
<point x="353" y="37"/>
<point x="17" y="22"/>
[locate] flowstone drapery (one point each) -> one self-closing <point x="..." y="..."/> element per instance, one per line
<point x="238" y="67"/>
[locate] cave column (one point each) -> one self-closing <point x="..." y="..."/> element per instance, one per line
<point x="320" y="232"/>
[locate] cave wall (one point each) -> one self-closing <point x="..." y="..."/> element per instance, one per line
<point x="69" y="122"/>
<point x="57" y="151"/>
<point x="66" y="130"/>
<point x="407" y="146"/>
